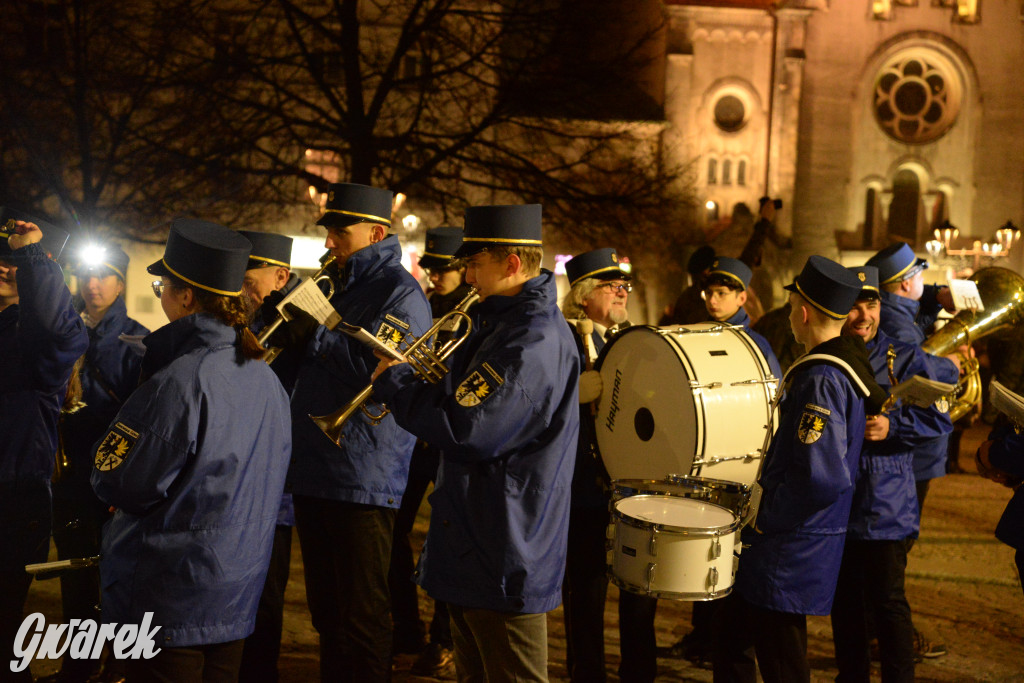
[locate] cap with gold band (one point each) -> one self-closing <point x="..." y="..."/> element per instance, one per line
<point x="268" y="249"/>
<point x="516" y="225"/>
<point x="53" y="240"/>
<point x="828" y="286"/>
<point x="602" y="264"/>
<point x="440" y="246"/>
<point x="731" y="270"/>
<point x="205" y="255"/>
<point x="897" y="262"/>
<point x="113" y="259"/>
<point x="351" y="203"/>
<point x="868" y="276"/>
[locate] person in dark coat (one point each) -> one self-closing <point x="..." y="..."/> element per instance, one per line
<point x="42" y="337"/>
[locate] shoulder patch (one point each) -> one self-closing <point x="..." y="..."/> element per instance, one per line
<point x="392" y="335"/>
<point x="115" y="447"/>
<point x="478" y="386"/>
<point x="812" y="426"/>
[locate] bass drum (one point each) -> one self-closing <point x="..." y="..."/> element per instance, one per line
<point x="693" y="399"/>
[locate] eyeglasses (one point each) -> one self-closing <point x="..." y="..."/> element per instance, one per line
<point x="616" y="288"/>
<point x="158" y="288"/>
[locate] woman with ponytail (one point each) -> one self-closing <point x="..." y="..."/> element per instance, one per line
<point x="194" y="463"/>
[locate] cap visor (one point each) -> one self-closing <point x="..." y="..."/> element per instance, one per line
<point x="337" y="220"/>
<point x="470" y="248"/>
<point x="159" y="268"/>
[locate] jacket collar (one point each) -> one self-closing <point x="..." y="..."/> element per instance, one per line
<point x="740" y="318"/>
<point x="175" y="339"/>
<point x="537" y="294"/>
<point x="900" y="304"/>
<point x="368" y="260"/>
<point x="112" y="320"/>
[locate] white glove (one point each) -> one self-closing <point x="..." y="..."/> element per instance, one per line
<point x="591" y="386"/>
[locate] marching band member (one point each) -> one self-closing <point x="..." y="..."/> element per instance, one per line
<point x="42" y="336"/>
<point x="110" y="373"/>
<point x="884" y="512"/>
<point x="791" y="565"/>
<point x="599" y="290"/>
<point x="269" y="272"/>
<point x="1004" y="452"/>
<point x="346" y="499"/>
<point x="506" y="420"/>
<point x="194" y="462"/>
<point x="436" y="658"/>
<point x="909" y="307"/>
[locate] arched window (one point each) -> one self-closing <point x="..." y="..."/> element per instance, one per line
<point x="727" y="172"/>
<point x="904" y="210"/>
<point x="741" y="172"/>
<point x="712" y="171"/>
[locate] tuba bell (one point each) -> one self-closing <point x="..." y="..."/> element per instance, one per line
<point x="1002" y="293"/>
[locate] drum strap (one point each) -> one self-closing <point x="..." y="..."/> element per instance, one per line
<point x="847" y="353"/>
<point x="827" y="359"/>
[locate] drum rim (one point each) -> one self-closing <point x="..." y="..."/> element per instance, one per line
<point x="712" y="482"/>
<point x="670" y="595"/>
<point x="616" y="487"/>
<point x="705" y="532"/>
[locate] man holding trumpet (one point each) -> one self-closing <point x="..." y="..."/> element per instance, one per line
<point x="506" y="420"/>
<point x="346" y="499"/>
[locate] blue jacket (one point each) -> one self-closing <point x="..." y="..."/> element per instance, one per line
<point x="41" y="337"/>
<point x="885" y="501"/>
<point x="906" y="320"/>
<point x="109" y="376"/>
<point x="1007" y="453"/>
<point x="195" y="463"/>
<point x="372" y="465"/>
<point x="742" y="318"/>
<point x="792" y="562"/>
<point x="506" y="419"/>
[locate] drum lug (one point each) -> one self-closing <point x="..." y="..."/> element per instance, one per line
<point x="716" y="548"/>
<point x="650" y="576"/>
<point x="652" y="547"/>
<point x="694" y="384"/>
<point x="712" y="579"/>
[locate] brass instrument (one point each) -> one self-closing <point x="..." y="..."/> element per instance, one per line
<point x="427" y="361"/>
<point x="890" y="361"/>
<point x="72" y="404"/>
<point x="321" y="275"/>
<point x="1002" y="293"/>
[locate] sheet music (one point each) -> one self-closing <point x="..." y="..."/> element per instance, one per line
<point x="365" y="337"/>
<point x="965" y="295"/>
<point x="309" y="298"/>
<point x="922" y="392"/>
<point x="1006" y="401"/>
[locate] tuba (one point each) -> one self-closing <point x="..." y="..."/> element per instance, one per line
<point x="1002" y="293"/>
<point x="425" y="359"/>
<point x="321" y="275"/>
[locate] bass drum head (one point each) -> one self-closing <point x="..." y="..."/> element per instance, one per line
<point x="646" y="421"/>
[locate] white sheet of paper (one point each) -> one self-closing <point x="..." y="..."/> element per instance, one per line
<point x="921" y="391"/>
<point x="365" y="337"/>
<point x="965" y="295"/>
<point x="309" y="298"/>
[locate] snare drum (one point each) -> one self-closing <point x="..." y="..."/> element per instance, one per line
<point x="693" y="399"/>
<point x="731" y="495"/>
<point x="673" y="547"/>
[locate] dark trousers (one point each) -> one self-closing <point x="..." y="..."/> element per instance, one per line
<point x="778" y="639"/>
<point x="77" y="524"/>
<point x="870" y="586"/>
<point x="217" y="663"/>
<point x="405" y="609"/>
<point x="262" y="648"/>
<point x="346" y="549"/>
<point x="24" y="539"/>
<point x="1019" y="559"/>
<point x="639" y="662"/>
<point x="583" y="593"/>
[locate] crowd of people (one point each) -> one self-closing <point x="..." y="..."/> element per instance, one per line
<point x="183" y="459"/>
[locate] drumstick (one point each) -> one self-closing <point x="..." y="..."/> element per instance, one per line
<point x="585" y="328"/>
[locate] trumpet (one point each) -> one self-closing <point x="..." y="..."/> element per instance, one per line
<point x="319" y="276"/>
<point x="426" y="360"/>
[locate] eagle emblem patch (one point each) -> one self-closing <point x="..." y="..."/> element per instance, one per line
<point x="115" y="447"/>
<point x="478" y="387"/>
<point x="812" y="425"/>
<point x="390" y="335"/>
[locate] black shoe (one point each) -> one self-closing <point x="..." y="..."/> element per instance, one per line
<point x="436" y="661"/>
<point x="694" y="647"/>
<point x="925" y="649"/>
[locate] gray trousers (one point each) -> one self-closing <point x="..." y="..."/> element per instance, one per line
<point x="495" y="647"/>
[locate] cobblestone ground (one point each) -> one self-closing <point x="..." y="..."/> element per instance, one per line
<point x="961" y="582"/>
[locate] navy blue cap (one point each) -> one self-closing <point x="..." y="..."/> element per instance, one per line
<point x="732" y="269"/>
<point x="440" y="246"/>
<point x="700" y="260"/>
<point x="827" y="286"/>
<point x="205" y="255"/>
<point x="113" y="259"/>
<point x="517" y="225"/>
<point x="868" y="276"/>
<point x="268" y="249"/>
<point x="602" y="264"/>
<point x="350" y="203"/>
<point x="896" y="263"/>
<point x="54" y="238"/>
